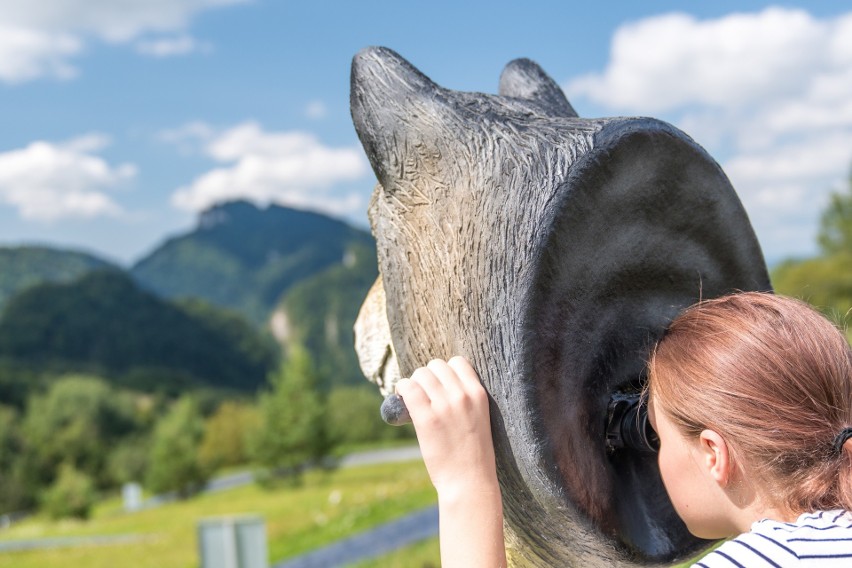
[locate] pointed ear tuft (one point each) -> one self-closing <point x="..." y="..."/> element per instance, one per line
<point x="524" y="79"/>
<point x="385" y="97"/>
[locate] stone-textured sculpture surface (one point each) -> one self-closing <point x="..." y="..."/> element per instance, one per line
<point x="551" y="251"/>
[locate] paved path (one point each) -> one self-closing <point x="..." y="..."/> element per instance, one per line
<point x="390" y="455"/>
<point x="62" y="542"/>
<point x="245" y="477"/>
<point x="385" y="538"/>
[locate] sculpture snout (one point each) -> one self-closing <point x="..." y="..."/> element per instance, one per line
<point x="373" y="343"/>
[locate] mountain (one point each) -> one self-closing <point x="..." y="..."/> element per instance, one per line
<point x="105" y="323"/>
<point x="25" y="266"/>
<point x="175" y="318"/>
<point x="244" y="258"/>
<point x="320" y="311"/>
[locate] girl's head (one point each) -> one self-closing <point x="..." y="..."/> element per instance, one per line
<point x="773" y="378"/>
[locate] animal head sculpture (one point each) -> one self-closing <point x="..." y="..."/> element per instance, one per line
<point x="552" y="251"/>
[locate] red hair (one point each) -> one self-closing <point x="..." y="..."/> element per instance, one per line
<point x="774" y="378"/>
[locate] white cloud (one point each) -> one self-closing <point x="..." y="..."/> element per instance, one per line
<point x="291" y="168"/>
<point x="674" y="60"/>
<point x="768" y="93"/>
<point x="48" y="181"/>
<point x="86" y="144"/>
<point x="108" y="19"/>
<point x="195" y="131"/>
<point x="40" y="38"/>
<point x="189" y="137"/>
<point x="27" y="54"/>
<point x="316" y="110"/>
<point x="802" y="160"/>
<point x="171" y="46"/>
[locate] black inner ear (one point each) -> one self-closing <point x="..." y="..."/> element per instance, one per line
<point x="648" y="225"/>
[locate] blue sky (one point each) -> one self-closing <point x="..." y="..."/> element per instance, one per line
<point x="120" y="120"/>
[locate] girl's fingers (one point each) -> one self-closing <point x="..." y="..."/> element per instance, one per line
<point x="447" y="376"/>
<point x="411" y="392"/>
<point x="429" y="382"/>
<point x="415" y="398"/>
<point x="465" y="372"/>
<point x="442" y="386"/>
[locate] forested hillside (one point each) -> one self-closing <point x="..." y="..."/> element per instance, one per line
<point x="22" y="267"/>
<point x="319" y="313"/>
<point x="104" y="323"/>
<point x="244" y="258"/>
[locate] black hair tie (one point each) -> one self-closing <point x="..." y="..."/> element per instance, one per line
<point x="841" y="438"/>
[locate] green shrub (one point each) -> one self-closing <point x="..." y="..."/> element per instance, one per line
<point x="71" y="495"/>
<point x="16" y="493"/>
<point x="226" y="435"/>
<point x="292" y="433"/>
<point x="128" y="462"/>
<point x="173" y="463"/>
<point x="74" y="422"/>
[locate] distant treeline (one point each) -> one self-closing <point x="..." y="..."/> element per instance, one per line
<point x="82" y="437"/>
<point x="825" y="280"/>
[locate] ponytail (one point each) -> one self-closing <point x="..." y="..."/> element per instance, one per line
<point x="844" y="476"/>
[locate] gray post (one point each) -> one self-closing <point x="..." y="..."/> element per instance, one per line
<point x="131" y="494"/>
<point x="232" y="542"/>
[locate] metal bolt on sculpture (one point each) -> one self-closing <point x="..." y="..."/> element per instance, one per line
<point x="552" y="251"/>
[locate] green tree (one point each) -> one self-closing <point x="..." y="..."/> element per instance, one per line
<point x="75" y="422"/>
<point x="15" y="493"/>
<point x="826" y="280"/>
<point x="128" y="462"/>
<point x="835" y="232"/>
<point x="71" y="495"/>
<point x="292" y="432"/>
<point x="173" y="463"/>
<point x="226" y="435"/>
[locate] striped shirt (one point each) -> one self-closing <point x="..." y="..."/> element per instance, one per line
<point x="817" y="540"/>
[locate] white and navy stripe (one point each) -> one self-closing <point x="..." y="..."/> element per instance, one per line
<point x="815" y="540"/>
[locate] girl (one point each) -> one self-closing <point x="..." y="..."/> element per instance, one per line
<point x="751" y="397"/>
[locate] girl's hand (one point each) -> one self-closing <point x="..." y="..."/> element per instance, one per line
<point x="449" y="409"/>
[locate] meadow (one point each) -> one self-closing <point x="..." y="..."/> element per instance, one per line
<point x="326" y="506"/>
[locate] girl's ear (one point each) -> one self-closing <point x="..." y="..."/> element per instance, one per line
<point x="715" y="456"/>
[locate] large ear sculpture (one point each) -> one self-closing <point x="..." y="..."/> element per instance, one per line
<point x="552" y="251"/>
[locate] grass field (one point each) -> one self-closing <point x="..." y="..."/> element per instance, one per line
<point x="326" y="507"/>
